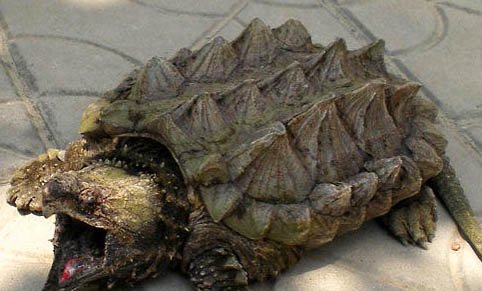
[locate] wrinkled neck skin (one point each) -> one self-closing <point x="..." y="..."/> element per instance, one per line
<point x="122" y="215"/>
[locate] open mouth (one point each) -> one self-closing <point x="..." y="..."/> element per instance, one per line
<point x="79" y="254"/>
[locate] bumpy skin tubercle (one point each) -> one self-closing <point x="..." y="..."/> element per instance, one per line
<point x="228" y="162"/>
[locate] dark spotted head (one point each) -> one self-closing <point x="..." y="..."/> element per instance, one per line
<point x="112" y="225"/>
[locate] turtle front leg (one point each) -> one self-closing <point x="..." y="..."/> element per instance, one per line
<point x="218" y="269"/>
<point x="29" y="182"/>
<point x="413" y="221"/>
<point x="217" y="258"/>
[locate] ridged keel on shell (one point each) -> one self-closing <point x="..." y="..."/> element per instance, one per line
<point x="244" y="104"/>
<point x="256" y="45"/>
<point x="202" y="117"/>
<point x="214" y="62"/>
<point x="293" y="36"/>
<point x="325" y="145"/>
<point x="365" y="112"/>
<point x="157" y="80"/>
<point x="273" y="173"/>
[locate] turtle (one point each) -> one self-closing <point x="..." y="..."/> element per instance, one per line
<point x="227" y="163"/>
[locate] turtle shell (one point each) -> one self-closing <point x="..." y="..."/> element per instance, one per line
<point x="282" y="139"/>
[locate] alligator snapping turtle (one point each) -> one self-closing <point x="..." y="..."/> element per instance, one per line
<point x="228" y="162"/>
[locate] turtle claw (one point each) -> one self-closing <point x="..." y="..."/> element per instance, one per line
<point x="414" y="221"/>
<point x="30" y="201"/>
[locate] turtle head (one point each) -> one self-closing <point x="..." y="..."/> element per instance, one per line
<point x="111" y="226"/>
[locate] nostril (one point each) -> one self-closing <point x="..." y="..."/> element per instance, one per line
<point x="53" y="188"/>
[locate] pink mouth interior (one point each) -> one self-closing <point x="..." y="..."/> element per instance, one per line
<point x="69" y="270"/>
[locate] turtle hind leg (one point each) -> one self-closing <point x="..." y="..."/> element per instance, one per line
<point x="413" y="221"/>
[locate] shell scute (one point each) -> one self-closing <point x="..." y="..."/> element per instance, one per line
<point x="221" y="200"/>
<point x="365" y="112"/>
<point x="254" y="221"/>
<point x="157" y="80"/>
<point x="291" y="224"/>
<point x="293" y="36"/>
<point x="323" y="141"/>
<point x="276" y="174"/>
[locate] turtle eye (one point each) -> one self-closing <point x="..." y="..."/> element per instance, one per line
<point x="87" y="198"/>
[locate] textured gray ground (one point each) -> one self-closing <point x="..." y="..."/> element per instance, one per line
<point x="59" y="56"/>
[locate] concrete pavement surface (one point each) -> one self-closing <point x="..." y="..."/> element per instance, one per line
<point x="57" y="56"/>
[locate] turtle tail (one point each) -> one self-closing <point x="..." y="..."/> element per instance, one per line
<point x="447" y="186"/>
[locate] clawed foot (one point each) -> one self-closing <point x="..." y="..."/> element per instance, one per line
<point x="414" y="221"/>
<point x="25" y="200"/>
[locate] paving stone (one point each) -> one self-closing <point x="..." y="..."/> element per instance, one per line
<point x="292" y="3"/>
<point x="377" y="256"/>
<point x="314" y="276"/>
<point x="25" y="252"/>
<point x="25" y="236"/>
<point x="59" y="65"/>
<point x="319" y="23"/>
<point x="475" y="132"/>
<point x="22" y="276"/>
<point x="231" y="30"/>
<point x="400" y="28"/>
<point x="212" y="7"/>
<point x="63" y="114"/>
<point x="471" y="266"/>
<point x="468" y="165"/>
<point x="451" y="70"/>
<point x="17" y="131"/>
<point x="176" y="282"/>
<point x="7" y="91"/>
<point x="123" y="26"/>
<point x="467" y="6"/>
<point x="9" y="162"/>
<point x="169" y="282"/>
<point x="7" y="212"/>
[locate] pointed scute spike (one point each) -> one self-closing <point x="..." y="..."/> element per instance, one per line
<point x="159" y="79"/>
<point x="287" y="86"/>
<point x="365" y="112"/>
<point x="321" y="137"/>
<point x="213" y="62"/>
<point x="377" y="49"/>
<point x="339" y="44"/>
<point x="256" y="46"/>
<point x="368" y="62"/>
<point x="276" y="174"/>
<point x="327" y="67"/>
<point x="293" y="36"/>
<point x="244" y="104"/>
<point x="425" y="157"/>
<point x="400" y="105"/>
<point x="201" y="117"/>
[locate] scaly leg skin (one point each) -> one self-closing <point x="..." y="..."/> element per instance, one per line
<point x="413" y="221"/>
<point x="28" y="182"/>
<point x="217" y="258"/>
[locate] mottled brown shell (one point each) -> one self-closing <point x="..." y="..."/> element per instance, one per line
<point x="282" y="138"/>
